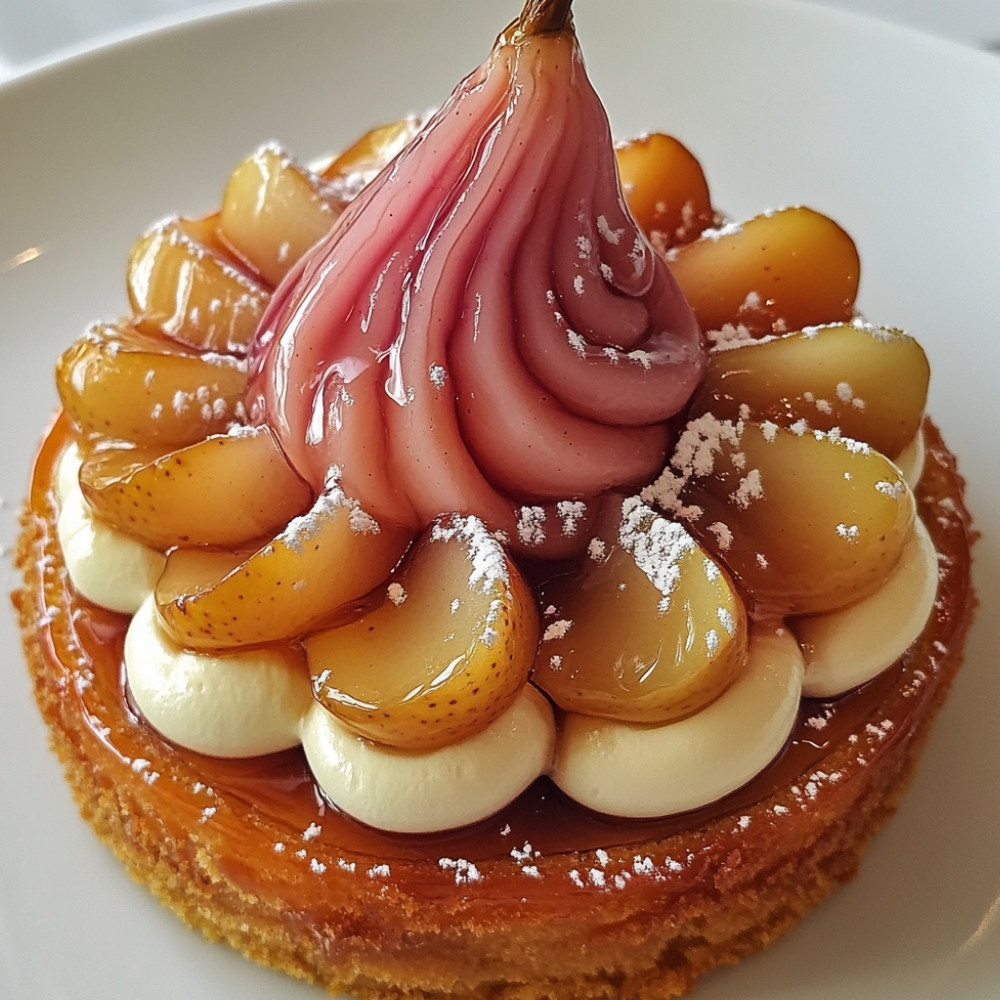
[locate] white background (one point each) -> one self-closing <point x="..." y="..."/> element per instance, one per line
<point x="36" y="31"/>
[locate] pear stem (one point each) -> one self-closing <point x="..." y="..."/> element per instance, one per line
<point x="541" y="17"/>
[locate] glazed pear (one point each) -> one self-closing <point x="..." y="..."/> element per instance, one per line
<point x="318" y="564"/>
<point x="225" y="490"/>
<point x="665" y="188"/>
<point x="443" y="653"/>
<point x="807" y="522"/>
<point x="273" y="210"/>
<point x="117" y="382"/>
<point x="519" y="349"/>
<point x="357" y="166"/>
<point x="776" y="272"/>
<point x="181" y="283"/>
<point x="649" y="628"/>
<point x="868" y="382"/>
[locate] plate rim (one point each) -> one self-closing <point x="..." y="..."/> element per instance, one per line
<point x="178" y="28"/>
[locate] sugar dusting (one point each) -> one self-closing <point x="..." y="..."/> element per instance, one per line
<point x="306" y="527"/>
<point x="657" y="545"/>
<point x="694" y="456"/>
<point x="464" y="871"/>
<point x="486" y="555"/>
<point x="557" y="629"/>
<point x="531" y="525"/>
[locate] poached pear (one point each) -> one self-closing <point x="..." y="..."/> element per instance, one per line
<point x="485" y="330"/>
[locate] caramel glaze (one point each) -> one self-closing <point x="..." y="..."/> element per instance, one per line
<point x="269" y="828"/>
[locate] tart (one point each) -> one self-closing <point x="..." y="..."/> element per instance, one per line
<point x="302" y="436"/>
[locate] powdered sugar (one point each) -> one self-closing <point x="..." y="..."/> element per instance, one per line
<point x="656" y="544"/>
<point x="531" y="525"/>
<point x="488" y="564"/>
<point x="306" y="527"/>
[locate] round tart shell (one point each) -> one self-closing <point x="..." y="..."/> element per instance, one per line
<point x="544" y="902"/>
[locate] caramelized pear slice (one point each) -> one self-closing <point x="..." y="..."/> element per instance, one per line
<point x="181" y="283"/>
<point x="273" y="210"/>
<point x="445" y="652"/>
<point x="649" y="630"/>
<point x="780" y="271"/>
<point x="321" y="562"/>
<point x="358" y="165"/>
<point x="665" y="189"/>
<point x="116" y="382"/>
<point x="870" y="382"/>
<point x="225" y="490"/>
<point x="807" y="522"/>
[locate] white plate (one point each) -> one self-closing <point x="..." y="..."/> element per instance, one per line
<point x="893" y="133"/>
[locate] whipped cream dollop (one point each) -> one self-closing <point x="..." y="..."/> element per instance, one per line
<point x="246" y="705"/>
<point x="630" y="769"/>
<point x="847" y="647"/>
<point x="485" y="330"/>
<point x="256" y="701"/>
<point x="442" y="788"/>
<point x="106" y="566"/>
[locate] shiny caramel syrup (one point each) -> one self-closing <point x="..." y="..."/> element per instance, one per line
<point x="270" y="832"/>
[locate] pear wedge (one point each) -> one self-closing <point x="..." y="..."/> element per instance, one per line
<point x="225" y="490"/>
<point x="650" y="629"/>
<point x="776" y="272"/>
<point x="322" y="561"/>
<point x="445" y="651"/>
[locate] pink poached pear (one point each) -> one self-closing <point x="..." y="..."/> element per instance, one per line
<point x="485" y="329"/>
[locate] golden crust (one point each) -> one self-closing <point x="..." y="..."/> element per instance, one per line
<point x="638" y="919"/>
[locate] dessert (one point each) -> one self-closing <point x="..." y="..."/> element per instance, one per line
<point x="326" y="571"/>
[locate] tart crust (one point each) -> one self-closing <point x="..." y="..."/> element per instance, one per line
<point x="642" y="914"/>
